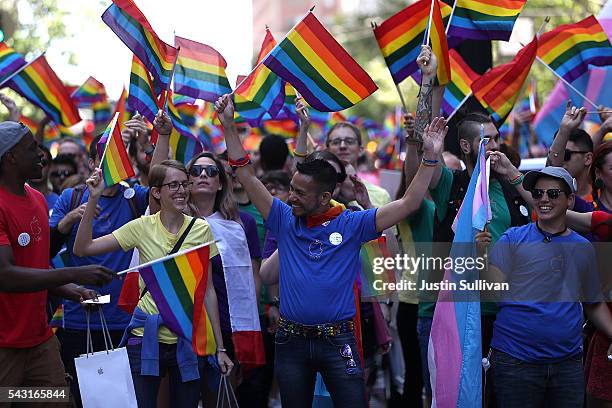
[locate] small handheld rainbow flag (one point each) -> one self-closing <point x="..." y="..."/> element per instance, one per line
<point x="499" y="88"/>
<point x="200" y="71"/>
<point x="177" y="284"/>
<point x="439" y="46"/>
<point x="102" y="112"/>
<point x="10" y="61"/>
<point x="285" y="128"/>
<point x="39" y="84"/>
<point x="484" y="19"/>
<point x="375" y="249"/>
<point x="459" y="88"/>
<point x="570" y="48"/>
<point x="400" y="37"/>
<point x="132" y="27"/>
<point x="311" y="60"/>
<point x="114" y="162"/>
<point x="141" y="96"/>
<point x="57" y="320"/>
<point x="90" y="92"/>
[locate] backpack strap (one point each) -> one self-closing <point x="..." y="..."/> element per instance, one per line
<point x="76" y="197"/>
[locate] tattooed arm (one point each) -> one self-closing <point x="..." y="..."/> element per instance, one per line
<point x="430" y="100"/>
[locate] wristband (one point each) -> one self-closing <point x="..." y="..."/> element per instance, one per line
<point x="221" y="350"/>
<point x="302" y="155"/>
<point x="430" y="163"/>
<point x="517" y="180"/>
<point x="246" y="160"/>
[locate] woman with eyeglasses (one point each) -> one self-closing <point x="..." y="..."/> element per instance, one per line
<point x="155" y="236"/>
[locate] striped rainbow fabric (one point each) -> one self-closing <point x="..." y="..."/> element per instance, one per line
<point x="485" y="19"/>
<point x="326" y="76"/>
<point x="57" y="320"/>
<point x="262" y="91"/>
<point x="141" y="96"/>
<point x="132" y="27"/>
<point x="400" y="37"/>
<point x="10" y="61"/>
<point x="183" y="144"/>
<point x="178" y="287"/>
<point x="90" y="92"/>
<point x="51" y="133"/>
<point x="39" y="84"/>
<point x="459" y="88"/>
<point x="285" y="128"/>
<point x="569" y="49"/>
<point x="455" y="351"/>
<point x="369" y="252"/>
<point x="102" y="112"/>
<point x="499" y="88"/>
<point x="122" y="108"/>
<point x="115" y="163"/>
<point x="200" y="71"/>
<point x="439" y="46"/>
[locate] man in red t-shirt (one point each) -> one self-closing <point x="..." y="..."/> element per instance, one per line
<point x="29" y="352"/>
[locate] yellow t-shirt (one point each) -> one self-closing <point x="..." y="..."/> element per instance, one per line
<point x="154" y="241"/>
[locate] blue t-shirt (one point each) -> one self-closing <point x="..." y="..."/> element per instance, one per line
<point x="318" y="265"/>
<point x="545" y="325"/>
<point x="115" y="212"/>
<point x="51" y="198"/>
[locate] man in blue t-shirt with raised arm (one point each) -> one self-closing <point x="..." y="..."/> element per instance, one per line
<point x="319" y="258"/>
<point x="552" y="275"/>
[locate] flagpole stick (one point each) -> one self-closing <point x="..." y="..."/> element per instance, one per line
<point x="459" y="106"/>
<point x="178" y="50"/>
<point x="450" y="17"/>
<point x="427" y="34"/>
<point x="14" y="74"/>
<point x="308" y="135"/>
<point x="109" y="138"/>
<point x="566" y="82"/>
<point x="546" y="20"/>
<point x="165" y="258"/>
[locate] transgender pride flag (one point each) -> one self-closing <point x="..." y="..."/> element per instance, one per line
<point x="454" y="344"/>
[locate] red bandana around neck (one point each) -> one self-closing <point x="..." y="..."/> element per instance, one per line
<point x="316" y="220"/>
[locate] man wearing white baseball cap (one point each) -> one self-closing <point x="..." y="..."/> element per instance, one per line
<point x="29" y="352"/>
<point x="552" y="275"/>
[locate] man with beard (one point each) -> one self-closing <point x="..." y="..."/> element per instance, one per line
<point x="136" y="134"/>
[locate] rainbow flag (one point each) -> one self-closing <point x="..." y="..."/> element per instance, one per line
<point x="51" y="133"/>
<point x="459" y="88"/>
<point x="400" y="37"/>
<point x="178" y="286"/>
<point x="89" y="93"/>
<point x="439" y="46"/>
<point x="101" y="112"/>
<point x="285" y="128"/>
<point x="499" y="88"/>
<point x="570" y="48"/>
<point x="183" y="144"/>
<point x="115" y="163"/>
<point x="211" y="138"/>
<point x="10" y="61"/>
<point x="188" y="113"/>
<point x="39" y="84"/>
<point x="200" y="71"/>
<point x="132" y="27"/>
<point x="141" y="96"/>
<point x="57" y="320"/>
<point x="369" y="252"/>
<point x="455" y="354"/>
<point x="484" y="19"/>
<point x="262" y="91"/>
<point x="121" y="107"/>
<point x="326" y="76"/>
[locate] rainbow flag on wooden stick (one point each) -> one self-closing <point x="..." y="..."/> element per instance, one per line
<point x="115" y="163"/>
<point x="178" y="286"/>
<point x="499" y="88"/>
<point x="200" y="71"/>
<point x="484" y="19"/>
<point x="439" y="46"/>
<point x="132" y="27"/>
<point x="39" y="84"/>
<point x="311" y="60"/>
<point x="400" y="37"/>
<point x="570" y="48"/>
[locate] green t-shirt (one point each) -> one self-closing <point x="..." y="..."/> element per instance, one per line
<point x="250" y="209"/>
<point x="500" y="220"/>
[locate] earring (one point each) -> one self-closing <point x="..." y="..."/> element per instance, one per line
<point x="599" y="184"/>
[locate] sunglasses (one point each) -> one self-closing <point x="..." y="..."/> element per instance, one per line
<point x="210" y="170"/>
<point x="568" y="154"/>
<point x="61" y="173"/>
<point x="552" y="193"/>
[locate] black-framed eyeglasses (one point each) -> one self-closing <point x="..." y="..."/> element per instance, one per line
<point x="552" y="193"/>
<point x="209" y="169"/>
<point x="567" y="156"/>
<point x="349" y="141"/>
<point x="61" y="173"/>
<point x="173" y="186"/>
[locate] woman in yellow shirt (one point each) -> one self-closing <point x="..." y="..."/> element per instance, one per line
<point x="155" y="236"/>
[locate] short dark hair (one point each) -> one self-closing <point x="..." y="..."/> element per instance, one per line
<point x="466" y="128"/>
<point x="329" y="156"/>
<point x="93" y="147"/>
<point x="276" y="177"/>
<point x="582" y="139"/>
<point x="66" y="160"/>
<point x="339" y="125"/>
<point x="323" y="174"/>
<point x="273" y="152"/>
<point x="48" y="155"/>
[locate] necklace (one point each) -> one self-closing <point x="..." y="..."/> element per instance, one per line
<point x="548" y="237"/>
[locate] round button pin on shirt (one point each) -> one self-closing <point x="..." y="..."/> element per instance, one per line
<point x="23" y="239"/>
<point x="335" y="238"/>
<point x="129" y="193"/>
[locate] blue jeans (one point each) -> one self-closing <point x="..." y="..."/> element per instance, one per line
<point x="182" y="394"/>
<point x="521" y="384"/>
<point x="423" y="331"/>
<point x="299" y="358"/>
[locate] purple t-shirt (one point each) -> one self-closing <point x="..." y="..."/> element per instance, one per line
<point x="270" y="245"/>
<point x="218" y="277"/>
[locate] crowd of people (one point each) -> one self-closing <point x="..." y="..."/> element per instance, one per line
<point x="292" y="227"/>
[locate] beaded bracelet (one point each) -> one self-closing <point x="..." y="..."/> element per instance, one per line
<point x="517" y="180"/>
<point x="430" y="163"/>
<point x="240" y="162"/>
